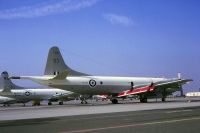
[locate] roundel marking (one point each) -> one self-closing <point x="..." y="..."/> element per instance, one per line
<point x="27" y="93"/>
<point x="92" y="83"/>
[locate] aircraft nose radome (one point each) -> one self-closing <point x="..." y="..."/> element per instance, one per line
<point x="4" y="74"/>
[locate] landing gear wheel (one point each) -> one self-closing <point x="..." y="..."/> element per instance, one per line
<point x="163" y="99"/>
<point x="61" y="103"/>
<point x="36" y="103"/>
<point x="6" y="105"/>
<point x="84" y="102"/>
<point x="49" y="103"/>
<point x="114" y="101"/>
<point x="143" y="100"/>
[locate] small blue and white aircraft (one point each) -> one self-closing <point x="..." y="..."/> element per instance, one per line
<point x="59" y="75"/>
<point x="11" y="93"/>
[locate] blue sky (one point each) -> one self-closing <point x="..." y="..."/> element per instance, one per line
<point x="103" y="37"/>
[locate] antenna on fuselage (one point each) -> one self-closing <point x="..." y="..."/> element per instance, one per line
<point x="179" y="75"/>
<point x="181" y="88"/>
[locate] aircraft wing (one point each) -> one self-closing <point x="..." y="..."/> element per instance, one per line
<point x="174" y="83"/>
<point x="136" y="90"/>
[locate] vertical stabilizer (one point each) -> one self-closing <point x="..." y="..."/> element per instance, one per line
<point x="56" y="65"/>
<point x="6" y="84"/>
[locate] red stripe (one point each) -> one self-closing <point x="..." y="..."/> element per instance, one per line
<point x="136" y="91"/>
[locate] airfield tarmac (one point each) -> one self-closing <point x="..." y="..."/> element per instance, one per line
<point x="175" y="115"/>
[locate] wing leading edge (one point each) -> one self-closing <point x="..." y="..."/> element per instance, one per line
<point x="173" y="83"/>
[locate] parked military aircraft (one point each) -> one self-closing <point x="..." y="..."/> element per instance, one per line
<point x="59" y="75"/>
<point x="12" y="93"/>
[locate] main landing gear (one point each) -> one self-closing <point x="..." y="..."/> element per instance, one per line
<point x="143" y="99"/>
<point x="36" y="103"/>
<point x="163" y="99"/>
<point x="8" y="105"/>
<point x="164" y="96"/>
<point x="61" y="103"/>
<point x="24" y="104"/>
<point x="114" y="101"/>
<point x="49" y="103"/>
<point x="84" y="101"/>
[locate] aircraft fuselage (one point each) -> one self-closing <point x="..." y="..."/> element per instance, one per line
<point x="95" y="84"/>
<point x="25" y="95"/>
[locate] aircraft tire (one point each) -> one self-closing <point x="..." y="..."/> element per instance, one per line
<point x="114" y="101"/>
<point x="61" y="103"/>
<point x="36" y="103"/>
<point x="143" y="100"/>
<point x="163" y="99"/>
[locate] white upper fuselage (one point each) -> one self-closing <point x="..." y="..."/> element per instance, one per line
<point x="93" y="84"/>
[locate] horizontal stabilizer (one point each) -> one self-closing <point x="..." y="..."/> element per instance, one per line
<point x="15" y="77"/>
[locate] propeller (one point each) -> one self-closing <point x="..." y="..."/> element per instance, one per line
<point x="152" y="84"/>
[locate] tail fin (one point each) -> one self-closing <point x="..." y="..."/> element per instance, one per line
<point x="6" y="84"/>
<point x="56" y="65"/>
